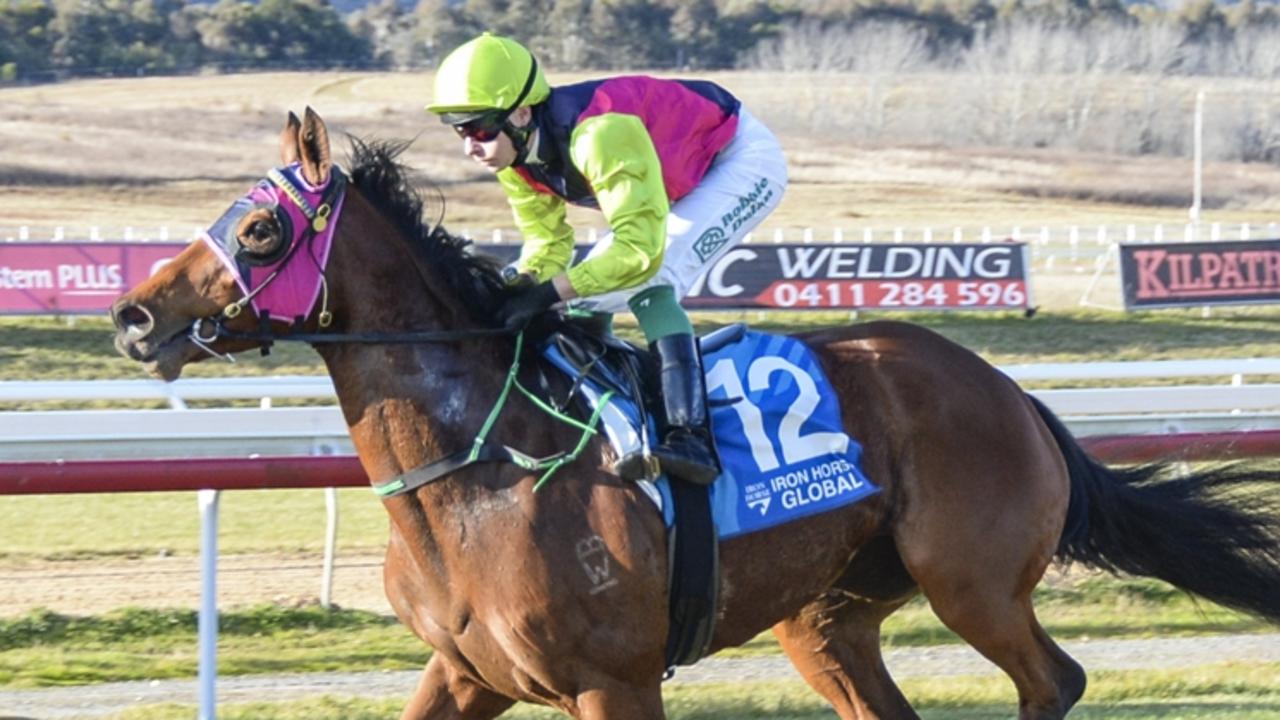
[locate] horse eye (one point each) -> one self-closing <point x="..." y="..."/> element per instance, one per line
<point x="263" y="230"/>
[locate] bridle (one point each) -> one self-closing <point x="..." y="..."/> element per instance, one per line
<point x="206" y="331"/>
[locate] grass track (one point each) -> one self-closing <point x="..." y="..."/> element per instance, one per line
<point x="43" y="649"/>
<point x="48" y="348"/>
<point x="1218" y="692"/>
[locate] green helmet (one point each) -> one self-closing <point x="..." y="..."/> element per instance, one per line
<point x="488" y="73"/>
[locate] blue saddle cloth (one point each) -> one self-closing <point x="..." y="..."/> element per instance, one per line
<point x="777" y="425"/>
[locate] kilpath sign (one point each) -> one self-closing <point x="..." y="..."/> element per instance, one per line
<point x="85" y="278"/>
<point x="1206" y="273"/>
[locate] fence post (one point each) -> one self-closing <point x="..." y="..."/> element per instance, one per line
<point x="330" y="546"/>
<point x="208" y="620"/>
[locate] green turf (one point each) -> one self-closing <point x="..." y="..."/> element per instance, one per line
<point x="35" y="526"/>
<point x="43" y="648"/>
<point x="33" y="348"/>
<point x="1219" y="692"/>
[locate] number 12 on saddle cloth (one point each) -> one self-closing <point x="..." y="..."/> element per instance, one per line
<point x="778" y="430"/>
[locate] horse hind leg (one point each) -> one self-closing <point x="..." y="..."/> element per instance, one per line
<point x="978" y="572"/>
<point x="1006" y="632"/>
<point x="835" y="644"/>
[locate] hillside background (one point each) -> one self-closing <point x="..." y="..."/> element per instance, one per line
<point x="1089" y="75"/>
<point x="143" y="118"/>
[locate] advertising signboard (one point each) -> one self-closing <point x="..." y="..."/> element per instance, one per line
<point x="84" y="278"/>
<point x="936" y="276"/>
<point x="933" y="276"/>
<point x="74" y="278"/>
<point x="1201" y="273"/>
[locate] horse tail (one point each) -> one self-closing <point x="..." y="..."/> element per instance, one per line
<point x="1214" y="532"/>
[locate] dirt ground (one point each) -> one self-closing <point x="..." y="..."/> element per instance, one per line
<point x="79" y="587"/>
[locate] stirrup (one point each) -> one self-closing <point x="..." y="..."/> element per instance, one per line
<point x="692" y="471"/>
<point x="687" y="454"/>
<point x="637" y="465"/>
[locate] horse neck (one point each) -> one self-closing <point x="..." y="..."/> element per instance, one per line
<point x="405" y="404"/>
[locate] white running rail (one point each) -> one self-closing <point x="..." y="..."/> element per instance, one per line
<point x="1224" y="405"/>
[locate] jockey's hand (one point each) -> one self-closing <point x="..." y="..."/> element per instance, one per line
<point x="523" y="306"/>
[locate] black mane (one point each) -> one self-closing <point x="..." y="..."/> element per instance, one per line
<point x="474" y="279"/>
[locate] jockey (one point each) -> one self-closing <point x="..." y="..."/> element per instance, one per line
<point x="681" y="172"/>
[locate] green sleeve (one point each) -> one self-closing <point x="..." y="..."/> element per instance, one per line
<point x="540" y="217"/>
<point x="616" y="156"/>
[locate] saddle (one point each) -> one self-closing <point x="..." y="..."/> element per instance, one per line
<point x="588" y="353"/>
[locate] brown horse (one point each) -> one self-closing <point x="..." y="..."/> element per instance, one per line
<point x="559" y="597"/>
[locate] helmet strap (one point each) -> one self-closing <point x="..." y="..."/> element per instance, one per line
<point x="520" y="140"/>
<point x="520" y="135"/>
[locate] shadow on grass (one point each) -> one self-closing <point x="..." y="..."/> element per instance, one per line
<point x="806" y="710"/>
<point x="924" y="637"/>
<point x="1214" y="710"/>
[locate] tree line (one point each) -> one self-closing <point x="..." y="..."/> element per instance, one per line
<point x="50" y="39"/>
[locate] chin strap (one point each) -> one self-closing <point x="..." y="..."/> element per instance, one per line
<point x="520" y="140"/>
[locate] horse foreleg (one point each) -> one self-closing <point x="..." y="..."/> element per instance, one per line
<point x="835" y="644"/>
<point x="445" y="694"/>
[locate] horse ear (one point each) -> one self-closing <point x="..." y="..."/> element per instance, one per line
<point x="314" y="146"/>
<point x="289" y="153"/>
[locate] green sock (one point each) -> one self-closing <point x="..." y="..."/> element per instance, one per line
<point x="659" y="313"/>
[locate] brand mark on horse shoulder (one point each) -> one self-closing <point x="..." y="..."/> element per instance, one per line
<point x="594" y="557"/>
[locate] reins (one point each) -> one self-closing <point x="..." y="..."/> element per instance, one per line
<point x="267" y="337"/>
<point x="208" y="330"/>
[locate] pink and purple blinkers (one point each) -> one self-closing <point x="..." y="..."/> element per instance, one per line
<point x="283" y="276"/>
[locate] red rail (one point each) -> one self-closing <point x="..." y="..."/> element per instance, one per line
<point x="110" y="476"/>
<point x="1175" y="447"/>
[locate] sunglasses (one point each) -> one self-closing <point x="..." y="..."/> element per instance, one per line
<point x="483" y="129"/>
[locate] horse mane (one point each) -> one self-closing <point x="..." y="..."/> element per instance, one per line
<point x="474" y="279"/>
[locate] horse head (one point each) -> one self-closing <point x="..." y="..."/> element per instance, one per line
<point x="275" y="250"/>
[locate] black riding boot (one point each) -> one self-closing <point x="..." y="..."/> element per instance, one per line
<point x="687" y="449"/>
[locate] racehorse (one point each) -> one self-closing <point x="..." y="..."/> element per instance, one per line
<point x="559" y="597"/>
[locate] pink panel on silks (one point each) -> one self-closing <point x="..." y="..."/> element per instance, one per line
<point x="74" y="278"/>
<point x="687" y="129"/>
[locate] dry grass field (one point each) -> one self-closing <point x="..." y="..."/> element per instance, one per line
<point x="149" y="153"/>
<point x="153" y="152"/>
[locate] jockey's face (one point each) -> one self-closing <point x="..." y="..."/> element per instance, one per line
<point x="498" y="153"/>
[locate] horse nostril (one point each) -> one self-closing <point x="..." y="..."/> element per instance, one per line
<point x="133" y="319"/>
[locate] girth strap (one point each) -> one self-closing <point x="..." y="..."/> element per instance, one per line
<point x="694" y="573"/>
